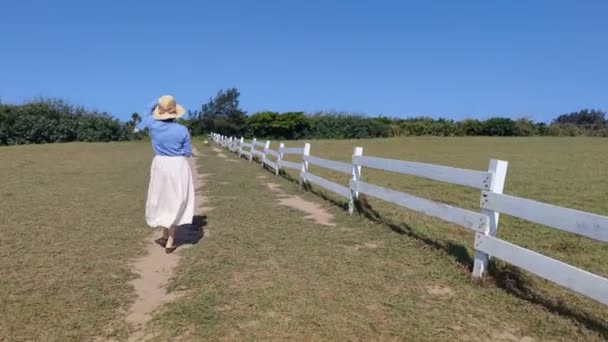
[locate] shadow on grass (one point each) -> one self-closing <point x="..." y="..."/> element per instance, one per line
<point x="512" y="280"/>
<point x="506" y="277"/>
<point x="457" y="251"/>
<point x="191" y="234"/>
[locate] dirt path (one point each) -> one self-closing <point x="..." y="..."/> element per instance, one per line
<point x="314" y="211"/>
<point x="156" y="268"/>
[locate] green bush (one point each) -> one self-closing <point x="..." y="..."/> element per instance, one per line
<point x="55" y="121"/>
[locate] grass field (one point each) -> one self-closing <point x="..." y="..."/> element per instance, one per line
<point x="71" y="227"/>
<point x="71" y="220"/>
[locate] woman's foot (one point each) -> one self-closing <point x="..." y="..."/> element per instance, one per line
<point x="162" y="241"/>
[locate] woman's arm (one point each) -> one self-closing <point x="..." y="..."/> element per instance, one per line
<point x="148" y="113"/>
<point x="187" y="145"/>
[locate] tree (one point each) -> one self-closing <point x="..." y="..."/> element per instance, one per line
<point x="524" y="127"/>
<point x="583" y="118"/>
<point x="135" y="118"/>
<point x="469" y="127"/>
<point x="221" y="114"/>
<point x="502" y="127"/>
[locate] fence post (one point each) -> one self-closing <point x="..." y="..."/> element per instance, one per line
<point x="498" y="171"/>
<point x="304" y="167"/>
<point x="281" y="147"/>
<point x="252" y="148"/>
<point x="356" y="176"/>
<point x="265" y="156"/>
<point x="241" y="146"/>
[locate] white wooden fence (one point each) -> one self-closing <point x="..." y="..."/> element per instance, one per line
<point x="484" y="224"/>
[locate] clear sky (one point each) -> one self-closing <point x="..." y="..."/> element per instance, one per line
<point x="452" y="58"/>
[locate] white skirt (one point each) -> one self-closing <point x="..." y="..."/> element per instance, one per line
<point x="170" y="193"/>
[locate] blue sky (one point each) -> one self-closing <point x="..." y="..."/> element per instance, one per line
<point x="451" y="59"/>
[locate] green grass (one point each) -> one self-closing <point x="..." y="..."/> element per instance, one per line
<point x="265" y="273"/>
<point x="71" y="220"/>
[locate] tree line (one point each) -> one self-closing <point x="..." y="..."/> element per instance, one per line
<point x="223" y="115"/>
<point x="53" y="121"/>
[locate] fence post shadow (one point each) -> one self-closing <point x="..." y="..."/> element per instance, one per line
<point x="516" y="283"/>
<point x="457" y="251"/>
<point x="506" y="277"/>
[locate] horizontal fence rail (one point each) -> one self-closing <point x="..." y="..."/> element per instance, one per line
<point x="570" y="277"/>
<point x="471" y="178"/>
<point x="326" y="184"/>
<point x="271" y="165"/>
<point x="273" y="153"/>
<point x="292" y="150"/>
<point x="578" y="222"/>
<point x="290" y="165"/>
<point x="330" y="164"/>
<point x="465" y="218"/>
<point x="485" y="223"/>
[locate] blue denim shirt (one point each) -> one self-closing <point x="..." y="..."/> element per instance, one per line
<point x="168" y="138"/>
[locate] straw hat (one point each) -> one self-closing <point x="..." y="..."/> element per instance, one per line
<point x="167" y="108"/>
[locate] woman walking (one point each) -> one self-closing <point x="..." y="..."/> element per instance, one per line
<point x="170" y="201"/>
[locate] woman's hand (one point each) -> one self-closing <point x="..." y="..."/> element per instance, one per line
<point x="150" y="108"/>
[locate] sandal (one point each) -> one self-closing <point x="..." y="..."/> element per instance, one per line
<point x="170" y="250"/>
<point x="161" y="241"/>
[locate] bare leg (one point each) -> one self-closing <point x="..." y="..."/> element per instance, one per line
<point x="162" y="241"/>
<point x="170" y="246"/>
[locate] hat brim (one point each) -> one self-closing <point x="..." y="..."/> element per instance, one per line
<point x="158" y="116"/>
